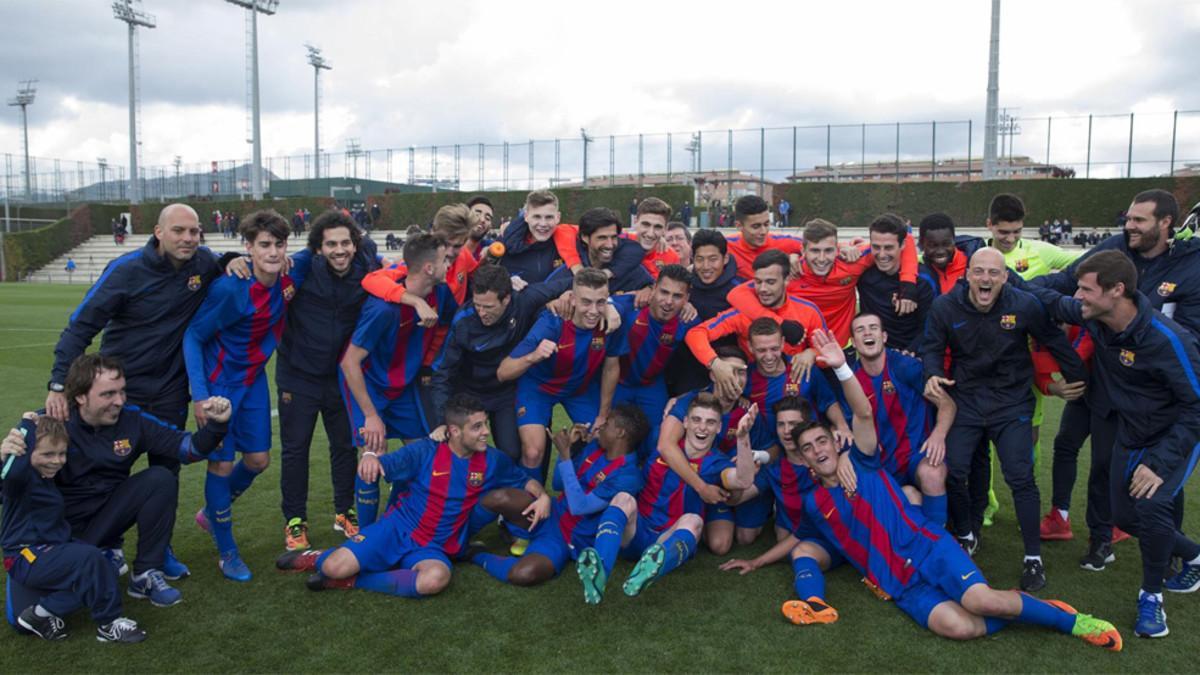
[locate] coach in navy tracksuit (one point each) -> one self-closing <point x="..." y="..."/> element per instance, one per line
<point x="481" y="336"/>
<point x="1147" y="364"/>
<point x="320" y="320"/>
<point x="987" y="325"/>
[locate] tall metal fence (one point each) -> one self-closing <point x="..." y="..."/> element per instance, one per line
<point x="1095" y="146"/>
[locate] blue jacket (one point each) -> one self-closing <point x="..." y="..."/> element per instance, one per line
<point x="1171" y="281"/>
<point x="143" y="305"/>
<point x="1148" y="372"/>
<point x="709" y="299"/>
<point x="34" y="510"/>
<point x="990" y="360"/>
<point x="320" y="319"/>
<point x="875" y="293"/>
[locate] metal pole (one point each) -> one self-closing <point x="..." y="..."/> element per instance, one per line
<point x="933" y="152"/>
<point x="897" y="152"/>
<point x="317" y="124"/>
<point x="531" y="164"/>
<point x="28" y="171"/>
<point x="1049" y="122"/>
<point x="793" y="151"/>
<point x="668" y="157"/>
<point x="612" y="160"/>
<point x="134" y="191"/>
<point x="990" y="129"/>
<point x="1174" y="126"/>
<point x="256" y="185"/>
<point x="762" y="159"/>
<point x="862" y="153"/>
<point x="699" y="151"/>
<point x="641" y="169"/>
<point x="828" y="153"/>
<point x="969" y="139"/>
<point x="1129" y="157"/>
<point x="1087" y="172"/>
<point x="481" y="152"/>
<point x="585" y="150"/>
<point x="729" y="166"/>
<point x="557" y="161"/>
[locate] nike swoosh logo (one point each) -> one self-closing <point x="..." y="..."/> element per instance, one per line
<point x="968" y="574"/>
<point x="440" y="473"/>
<point x="960" y="324"/>
<point x="830" y="513"/>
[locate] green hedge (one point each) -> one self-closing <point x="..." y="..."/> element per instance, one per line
<point x="26" y="252"/>
<point x="398" y="211"/>
<point x="145" y="215"/>
<point x="1086" y="202"/>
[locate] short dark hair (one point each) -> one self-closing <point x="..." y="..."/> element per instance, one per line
<point x="705" y="399"/>
<point x="420" y="249"/>
<point x="629" y="416"/>
<point x="773" y="257"/>
<point x="83" y="373"/>
<point x="807" y="425"/>
<point x="590" y="277"/>
<point x="709" y="237"/>
<point x="934" y="222"/>
<point x="889" y="223"/>
<point x="1007" y="208"/>
<point x="331" y="219"/>
<point x="675" y="272"/>
<point x="1111" y="268"/>
<point x="749" y="205"/>
<point x="764" y="325"/>
<point x="676" y="225"/>
<point x="459" y="407"/>
<point x="493" y="278"/>
<point x="265" y="220"/>
<point x="793" y="403"/>
<point x="731" y="352"/>
<point x="597" y="218"/>
<point x="655" y="207"/>
<point x="480" y="199"/>
<point x="1164" y="204"/>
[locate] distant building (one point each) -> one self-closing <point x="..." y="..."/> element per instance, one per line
<point x="1188" y="171"/>
<point x="708" y="185"/>
<point x="953" y="169"/>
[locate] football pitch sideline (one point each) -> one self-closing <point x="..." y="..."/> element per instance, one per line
<point x="698" y="619"/>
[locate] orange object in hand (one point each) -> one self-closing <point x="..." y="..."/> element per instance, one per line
<point x="496" y="250"/>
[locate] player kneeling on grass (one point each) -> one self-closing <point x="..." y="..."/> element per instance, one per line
<point x="407" y="552"/>
<point x="865" y="514"/>
<point x="660" y="527"/>
<point x="589" y="475"/>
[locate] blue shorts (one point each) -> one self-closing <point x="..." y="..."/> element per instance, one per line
<point x="944" y="576"/>
<point x="403" y="417"/>
<point x="643" y="538"/>
<point x="652" y="399"/>
<point x="386" y="544"/>
<point x="537" y="407"/>
<point x="249" y="419"/>
<point x="548" y="541"/>
<point x="750" y="514"/>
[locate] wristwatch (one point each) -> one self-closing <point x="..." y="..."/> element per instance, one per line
<point x="55" y="386"/>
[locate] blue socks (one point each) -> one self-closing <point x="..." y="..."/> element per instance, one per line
<point x="402" y="583"/>
<point x="218" y="506"/>
<point x="608" y="536"/>
<point x="934" y="508"/>
<point x="534" y="473"/>
<point x="366" y="501"/>
<point x="994" y="624"/>
<point x="807" y="579"/>
<point x="496" y="565"/>
<point x="679" y="548"/>
<point x="1040" y="613"/>
<point x="240" y="479"/>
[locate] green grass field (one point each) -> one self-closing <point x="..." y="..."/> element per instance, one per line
<point x="696" y="619"/>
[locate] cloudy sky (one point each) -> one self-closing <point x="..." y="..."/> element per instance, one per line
<point x="459" y="71"/>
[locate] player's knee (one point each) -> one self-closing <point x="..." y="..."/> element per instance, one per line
<point x="957" y="628"/>
<point x="433" y="580"/>
<point x="747" y="535"/>
<point x="692" y="523"/>
<point x="982" y="601"/>
<point x="257" y="461"/>
<point x="499" y="500"/>
<point x="807" y="549"/>
<point x="625" y="502"/>
<point x="340" y="564"/>
<point x="220" y="468"/>
<point x="932" y="479"/>
<point x="530" y="572"/>
<point x="912" y="494"/>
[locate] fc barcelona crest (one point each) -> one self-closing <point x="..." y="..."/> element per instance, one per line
<point x="666" y="339"/>
<point x="597" y="343"/>
<point x="1008" y="321"/>
<point x="888" y="387"/>
<point x="791" y="389"/>
<point x="194" y="282"/>
<point x="475" y="478"/>
<point x="1166" y="288"/>
<point x="1127" y="357"/>
<point x="122" y="447"/>
<point x="521" y="411"/>
<point x="600" y="478"/>
<point x="1022" y="265"/>
<point x="288" y="292"/>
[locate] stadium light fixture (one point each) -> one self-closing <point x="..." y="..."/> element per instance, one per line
<point x="24" y="98"/>
<point x="253" y="7"/>
<point x="319" y="63"/>
<point x="129" y="12"/>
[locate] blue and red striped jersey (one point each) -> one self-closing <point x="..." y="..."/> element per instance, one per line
<point x="767" y="391"/>
<point x="234" y="333"/>
<point x="396" y="343"/>
<point x="577" y="362"/>
<point x="902" y="415"/>
<point x="762" y="436"/>
<point x="665" y="497"/>
<point x="599" y="476"/>
<point x="648" y="343"/>
<point x="878" y="531"/>
<point x="788" y="482"/>
<point x="443" y="489"/>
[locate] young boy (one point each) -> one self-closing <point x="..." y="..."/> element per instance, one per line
<point x="38" y="551"/>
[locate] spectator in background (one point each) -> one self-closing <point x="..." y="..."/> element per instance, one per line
<point x="679" y="238"/>
<point x="70" y="266"/>
<point x="633" y="204"/>
<point x="785" y="209"/>
<point x="297" y="223"/>
<point x="1044" y="231"/>
<point x="376" y="214"/>
<point x="686" y="214"/>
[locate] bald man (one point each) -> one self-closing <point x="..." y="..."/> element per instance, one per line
<point x="143" y="302"/>
<point x="986" y="324"/>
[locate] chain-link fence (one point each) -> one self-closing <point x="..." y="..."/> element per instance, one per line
<point x="1093" y="146"/>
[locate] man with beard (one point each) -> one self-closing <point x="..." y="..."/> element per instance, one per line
<point x="880" y="289"/>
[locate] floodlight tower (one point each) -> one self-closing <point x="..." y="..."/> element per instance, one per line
<point x="24" y="98"/>
<point x="253" y="7"/>
<point x="586" y="140"/>
<point x="990" y="127"/>
<point x="319" y="63"/>
<point x="126" y="10"/>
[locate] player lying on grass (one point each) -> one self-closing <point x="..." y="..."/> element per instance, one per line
<point x="407" y="552"/>
<point x="589" y="475"/>
<point x="867" y="517"/>
<point x="660" y="527"/>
